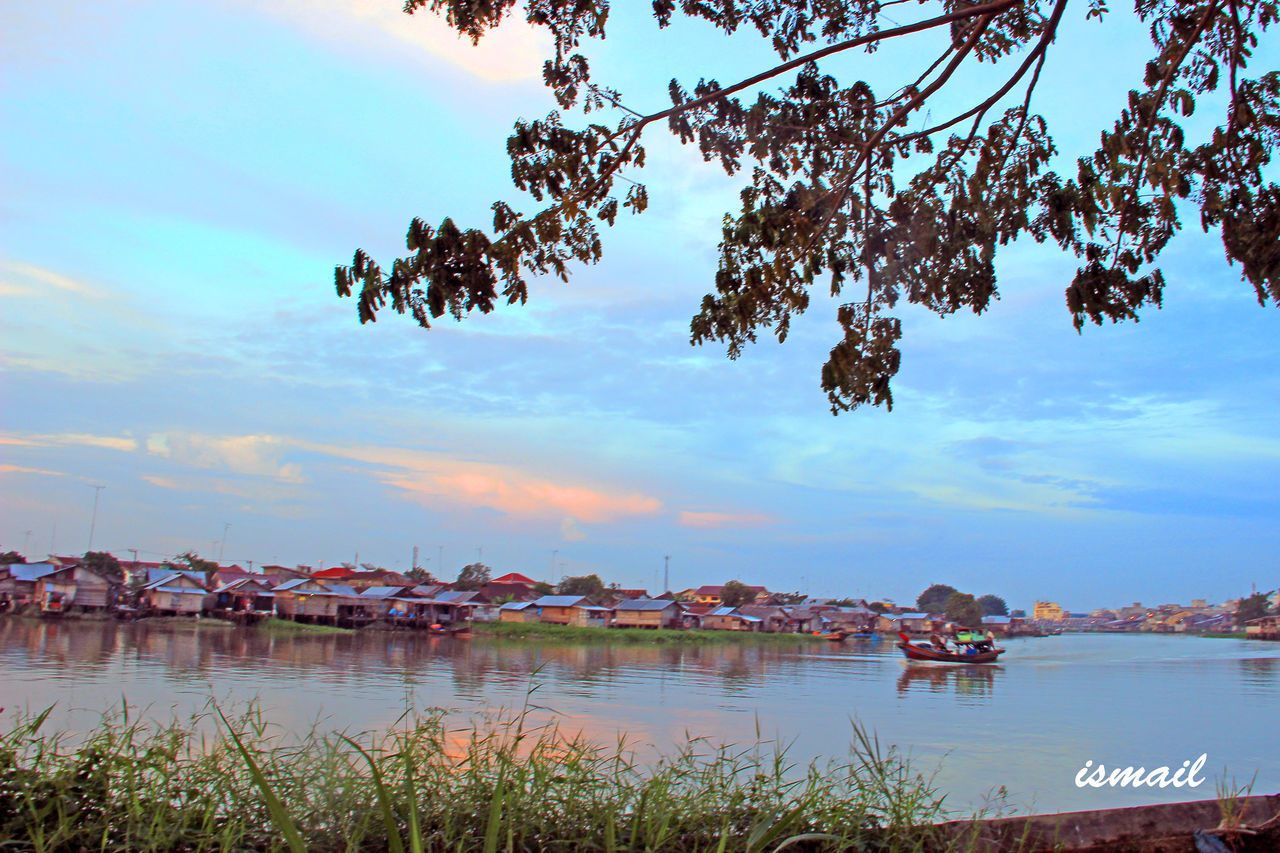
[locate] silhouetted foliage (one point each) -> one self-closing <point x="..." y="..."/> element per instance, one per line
<point x="190" y="561"/>
<point x="934" y="599"/>
<point x="11" y="557"/>
<point x="736" y="593"/>
<point x="963" y="609"/>
<point x="589" y="585"/>
<point x="827" y="193"/>
<point x="1253" y="607"/>
<point x="993" y="605"/>
<point x="420" y="575"/>
<point x="473" y="576"/>
<point x="104" y="564"/>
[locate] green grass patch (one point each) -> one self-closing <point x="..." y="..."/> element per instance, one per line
<point x="288" y="626"/>
<point x="140" y="786"/>
<point x="574" y="634"/>
<point x="1225" y="635"/>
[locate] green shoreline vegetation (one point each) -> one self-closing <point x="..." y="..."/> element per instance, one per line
<point x="131" y="784"/>
<point x="573" y="633"/>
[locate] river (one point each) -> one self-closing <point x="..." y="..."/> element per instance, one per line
<point x="1028" y="724"/>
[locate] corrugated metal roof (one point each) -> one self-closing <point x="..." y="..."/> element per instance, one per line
<point x="560" y="601"/>
<point x="293" y="584"/>
<point x="382" y="592"/>
<point x="645" y="604"/>
<point x="456" y="596"/>
<point x="178" y="590"/>
<point x="516" y="605"/>
<point x="30" y="572"/>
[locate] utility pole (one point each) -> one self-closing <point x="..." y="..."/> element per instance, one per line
<point x="666" y="572"/>
<point x="415" y="558"/>
<point x="226" y="525"/>
<point x="26" y="537"/>
<point x="554" y="552"/>
<point x="94" y="522"/>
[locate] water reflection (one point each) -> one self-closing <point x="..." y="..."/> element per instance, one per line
<point x="1116" y="699"/>
<point x="964" y="681"/>
<point x="1260" y="675"/>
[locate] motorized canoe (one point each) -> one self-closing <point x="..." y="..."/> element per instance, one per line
<point x="966" y="652"/>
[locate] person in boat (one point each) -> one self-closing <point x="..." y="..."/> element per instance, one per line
<point x="938" y="642"/>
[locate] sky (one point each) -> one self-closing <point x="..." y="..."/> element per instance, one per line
<point x="179" y="181"/>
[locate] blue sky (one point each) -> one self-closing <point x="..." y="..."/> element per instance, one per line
<point x="180" y="181"/>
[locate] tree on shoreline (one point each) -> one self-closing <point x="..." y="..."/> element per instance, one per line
<point x="1254" y="607"/>
<point x="735" y="593"/>
<point x="472" y="577"/>
<point x="962" y="608"/>
<point x="830" y="197"/>
<point x="993" y="605"/>
<point x="934" y="599"/>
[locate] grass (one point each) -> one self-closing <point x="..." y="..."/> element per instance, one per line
<point x="275" y="625"/>
<point x="133" y="785"/>
<point x="570" y="633"/>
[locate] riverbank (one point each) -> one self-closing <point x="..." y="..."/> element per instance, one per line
<point x="575" y="634"/>
<point x="130" y="785"/>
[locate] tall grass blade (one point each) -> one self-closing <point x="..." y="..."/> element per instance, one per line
<point x="394" y="843"/>
<point x="278" y="814"/>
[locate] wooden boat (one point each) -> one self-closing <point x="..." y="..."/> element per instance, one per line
<point x="833" y="636"/>
<point x="969" y="652"/>
<point x="463" y="630"/>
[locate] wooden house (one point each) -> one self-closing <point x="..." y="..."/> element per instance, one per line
<point x="75" y="586"/>
<point x="463" y="605"/>
<point x="803" y="620"/>
<point x="176" y="594"/>
<point x="245" y="598"/>
<point x="384" y="599"/>
<point x="646" y="613"/>
<point x="18" y="582"/>
<point x="907" y="623"/>
<point x="518" y="611"/>
<point x="306" y="600"/>
<point x="773" y="620"/>
<point x="1263" y="628"/>
<point x="729" y="619"/>
<point x="565" y="610"/>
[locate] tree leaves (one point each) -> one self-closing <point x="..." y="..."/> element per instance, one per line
<point x="829" y="195"/>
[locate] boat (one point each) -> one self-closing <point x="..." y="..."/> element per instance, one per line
<point x="833" y="636"/>
<point x="970" y="649"/>
<point x="463" y="630"/>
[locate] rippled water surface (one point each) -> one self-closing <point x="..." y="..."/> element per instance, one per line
<point x="1028" y="724"/>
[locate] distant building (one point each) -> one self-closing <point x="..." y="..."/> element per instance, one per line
<point x="1048" y="611"/>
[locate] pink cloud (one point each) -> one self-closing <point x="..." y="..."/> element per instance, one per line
<point x="438" y="479"/>
<point x="18" y="469"/>
<point x="712" y="520"/>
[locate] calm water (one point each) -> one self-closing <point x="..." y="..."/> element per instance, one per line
<point x="1028" y="724"/>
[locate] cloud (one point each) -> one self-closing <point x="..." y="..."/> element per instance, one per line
<point x="514" y="51"/>
<point x="43" y="276"/>
<point x="18" y="469"/>
<point x="569" y="530"/>
<point x="265" y="495"/>
<point x="717" y="520"/>
<point x="437" y="479"/>
<point x="255" y="455"/>
<point x="108" y="442"/>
